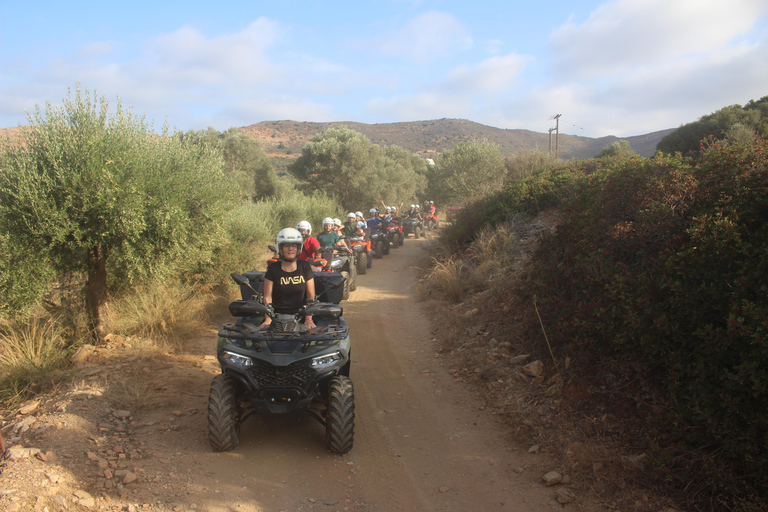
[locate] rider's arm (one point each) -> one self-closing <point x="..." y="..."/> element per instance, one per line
<point x="267" y="300"/>
<point x="310" y="294"/>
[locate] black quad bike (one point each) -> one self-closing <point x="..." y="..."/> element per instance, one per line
<point x="285" y="368"/>
<point x="414" y="225"/>
<point x="342" y="262"/>
<point x="379" y="244"/>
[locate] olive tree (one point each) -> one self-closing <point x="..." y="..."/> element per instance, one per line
<point x="90" y="186"/>
<point x="245" y="160"/>
<point x="467" y="172"/>
<point x="346" y="166"/>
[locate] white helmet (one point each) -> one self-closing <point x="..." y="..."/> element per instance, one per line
<point x="327" y="221"/>
<point x="351" y="215"/>
<point x="288" y="236"/>
<point x="389" y="209"/>
<point x="337" y="222"/>
<point x="373" y="211"/>
<point x="413" y="206"/>
<point x="358" y="214"/>
<point x="305" y="227"/>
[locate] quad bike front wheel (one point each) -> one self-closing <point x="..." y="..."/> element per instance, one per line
<point x="401" y="239"/>
<point x="396" y="240"/>
<point x="345" y="292"/>
<point x="223" y="414"/>
<point x="340" y="415"/>
<point x="369" y="260"/>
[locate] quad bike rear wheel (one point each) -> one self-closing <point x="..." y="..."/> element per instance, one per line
<point x="340" y="415"/>
<point x="402" y="238"/>
<point x="362" y="263"/>
<point x="379" y="251"/>
<point x="395" y="240"/>
<point x="369" y="260"/>
<point x="223" y="414"/>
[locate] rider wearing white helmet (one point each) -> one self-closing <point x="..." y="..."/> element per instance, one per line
<point x="289" y="282"/>
<point x="329" y="237"/>
<point x="311" y="245"/>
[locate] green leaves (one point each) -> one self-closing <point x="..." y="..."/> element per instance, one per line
<point x="344" y="164"/>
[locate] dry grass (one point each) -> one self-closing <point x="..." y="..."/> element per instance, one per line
<point x="133" y="391"/>
<point x="30" y="354"/>
<point x="165" y="313"/>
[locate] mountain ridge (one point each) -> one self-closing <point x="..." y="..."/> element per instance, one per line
<point x="436" y="136"/>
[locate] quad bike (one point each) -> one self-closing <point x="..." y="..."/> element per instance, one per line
<point x="362" y="249"/>
<point x="395" y="233"/>
<point x="415" y="226"/>
<point x="285" y="368"/>
<point x="344" y="263"/>
<point x="431" y="221"/>
<point x="379" y="243"/>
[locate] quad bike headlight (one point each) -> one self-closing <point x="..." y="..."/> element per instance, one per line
<point x="335" y="263"/>
<point x="326" y="360"/>
<point x="237" y="359"/>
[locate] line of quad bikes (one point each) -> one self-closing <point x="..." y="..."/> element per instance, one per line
<point x="286" y="368"/>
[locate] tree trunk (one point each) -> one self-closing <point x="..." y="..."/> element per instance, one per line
<point x="96" y="289"/>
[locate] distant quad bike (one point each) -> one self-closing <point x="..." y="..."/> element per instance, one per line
<point x="415" y="226"/>
<point x="363" y="256"/>
<point x="379" y="244"/>
<point x="341" y="262"/>
<point x="283" y="369"/>
<point x="431" y="221"/>
<point x="395" y="233"/>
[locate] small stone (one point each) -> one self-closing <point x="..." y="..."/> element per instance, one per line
<point x="534" y="449"/>
<point x="565" y="496"/>
<point x="534" y="369"/>
<point x="121" y="413"/>
<point x="29" y="407"/>
<point x="84" y="499"/>
<point x="177" y="413"/>
<point x="129" y="478"/>
<point x="443" y="490"/>
<point x="552" y="478"/>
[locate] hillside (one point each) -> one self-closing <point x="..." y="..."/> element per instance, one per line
<point x="286" y="138"/>
<point x="430" y="137"/>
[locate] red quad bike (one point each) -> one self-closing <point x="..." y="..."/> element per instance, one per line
<point x="395" y="233"/>
<point x="362" y="250"/>
<point x="284" y="369"/>
<point x="431" y="221"/>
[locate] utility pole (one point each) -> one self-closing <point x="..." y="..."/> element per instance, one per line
<point x="550" y="141"/>
<point x="557" y="134"/>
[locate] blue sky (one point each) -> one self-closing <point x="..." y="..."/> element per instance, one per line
<point x="622" y="67"/>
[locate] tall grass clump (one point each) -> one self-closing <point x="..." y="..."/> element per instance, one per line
<point x="162" y="312"/>
<point x="29" y="352"/>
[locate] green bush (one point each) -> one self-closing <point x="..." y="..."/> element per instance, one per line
<point x="658" y="276"/>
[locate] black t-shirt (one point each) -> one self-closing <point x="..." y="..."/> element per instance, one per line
<point x="289" y="289"/>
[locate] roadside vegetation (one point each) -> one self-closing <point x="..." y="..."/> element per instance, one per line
<point x="653" y="281"/>
<point x="649" y="286"/>
<point x="108" y="227"/>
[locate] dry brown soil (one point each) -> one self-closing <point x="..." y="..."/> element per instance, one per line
<point x="423" y="441"/>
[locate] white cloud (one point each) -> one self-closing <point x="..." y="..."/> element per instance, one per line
<point x="188" y="56"/>
<point x="623" y="34"/>
<point x="491" y="76"/>
<point x="428" y="36"/>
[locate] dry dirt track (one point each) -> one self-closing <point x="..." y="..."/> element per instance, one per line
<point x="423" y="441"/>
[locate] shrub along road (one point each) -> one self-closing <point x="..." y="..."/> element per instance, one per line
<point x="423" y="440"/>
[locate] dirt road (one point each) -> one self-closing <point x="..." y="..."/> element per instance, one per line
<point x="423" y="441"/>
